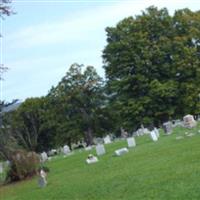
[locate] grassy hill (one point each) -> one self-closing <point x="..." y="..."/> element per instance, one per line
<point x="167" y="169"/>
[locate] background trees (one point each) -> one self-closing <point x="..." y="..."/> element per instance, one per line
<point x="80" y="98"/>
<point x="152" y="66"/>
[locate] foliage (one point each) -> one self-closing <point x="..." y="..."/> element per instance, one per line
<point x="152" y="66"/>
<point x="23" y="165"/>
<point x="31" y="125"/>
<point x="78" y="99"/>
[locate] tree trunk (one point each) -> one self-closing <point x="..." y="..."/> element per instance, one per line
<point x="89" y="137"/>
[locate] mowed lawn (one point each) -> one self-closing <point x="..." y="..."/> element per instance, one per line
<point x="167" y="169"/>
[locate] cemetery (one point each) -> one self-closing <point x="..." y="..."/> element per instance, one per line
<point x="125" y="129"/>
<point x="144" y="171"/>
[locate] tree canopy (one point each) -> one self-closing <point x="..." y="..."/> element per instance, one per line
<point x="152" y="64"/>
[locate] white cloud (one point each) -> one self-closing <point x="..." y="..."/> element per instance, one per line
<point x="79" y="26"/>
<point x="32" y="76"/>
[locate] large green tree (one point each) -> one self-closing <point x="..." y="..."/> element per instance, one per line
<point x="152" y="64"/>
<point x="79" y="103"/>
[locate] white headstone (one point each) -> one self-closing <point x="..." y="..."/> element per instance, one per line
<point x="189" y="121"/>
<point x="156" y="132"/>
<point x="131" y="142"/>
<point x="89" y="148"/>
<point x="91" y="159"/>
<point x="42" y="182"/>
<point x="44" y="156"/>
<point x="66" y="149"/>
<point x="121" y="151"/>
<point x="107" y="140"/>
<point x="100" y="149"/>
<point x="153" y="136"/>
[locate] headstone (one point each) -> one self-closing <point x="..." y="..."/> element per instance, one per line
<point x="131" y="142"/>
<point x="156" y="132"/>
<point x="100" y="149"/>
<point x="52" y="152"/>
<point x="66" y="149"/>
<point x="1" y="168"/>
<point x="124" y="134"/>
<point x="146" y="130"/>
<point x="167" y="126"/>
<point x="189" y="121"/>
<point x="121" y="151"/>
<point x="91" y="159"/>
<point x="89" y="148"/>
<point x="42" y="182"/>
<point x="107" y="140"/>
<point x="153" y="136"/>
<point x="44" y="157"/>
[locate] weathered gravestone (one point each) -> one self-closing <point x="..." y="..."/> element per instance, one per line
<point x="107" y="140"/>
<point x="121" y="151"/>
<point x="100" y="149"/>
<point x="153" y="136"/>
<point x="44" y="157"/>
<point x="42" y="182"/>
<point x="66" y="149"/>
<point x="131" y="142"/>
<point x="167" y="126"/>
<point x="189" y="121"/>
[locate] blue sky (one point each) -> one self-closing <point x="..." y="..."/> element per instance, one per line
<point x="44" y="38"/>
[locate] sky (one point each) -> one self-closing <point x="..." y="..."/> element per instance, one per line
<point x="45" y="37"/>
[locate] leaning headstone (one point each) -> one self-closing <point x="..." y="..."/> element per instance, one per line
<point x="153" y="136"/>
<point x="107" y="140"/>
<point x="1" y="168"/>
<point x="167" y="126"/>
<point x="121" y="151"/>
<point x="44" y="157"/>
<point x="100" y="149"/>
<point x="66" y="149"/>
<point x="189" y="121"/>
<point x="131" y="142"/>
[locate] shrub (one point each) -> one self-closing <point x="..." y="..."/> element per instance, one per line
<point x="23" y="165"/>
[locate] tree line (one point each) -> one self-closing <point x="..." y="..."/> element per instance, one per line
<point x="152" y="68"/>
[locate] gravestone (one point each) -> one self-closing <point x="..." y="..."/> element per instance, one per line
<point x="44" y="157"/>
<point x="66" y="149"/>
<point x="91" y="159"/>
<point x="42" y="182"/>
<point x="153" y="136"/>
<point x="189" y="121"/>
<point x="131" y="142"/>
<point x="107" y="140"/>
<point x="121" y="151"/>
<point x="100" y="149"/>
<point x="156" y="132"/>
<point x="124" y="134"/>
<point x="167" y="126"/>
<point x="89" y="148"/>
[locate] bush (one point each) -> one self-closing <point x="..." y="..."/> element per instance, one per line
<point x="23" y="165"/>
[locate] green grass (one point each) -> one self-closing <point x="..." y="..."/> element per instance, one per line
<point x="167" y="169"/>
